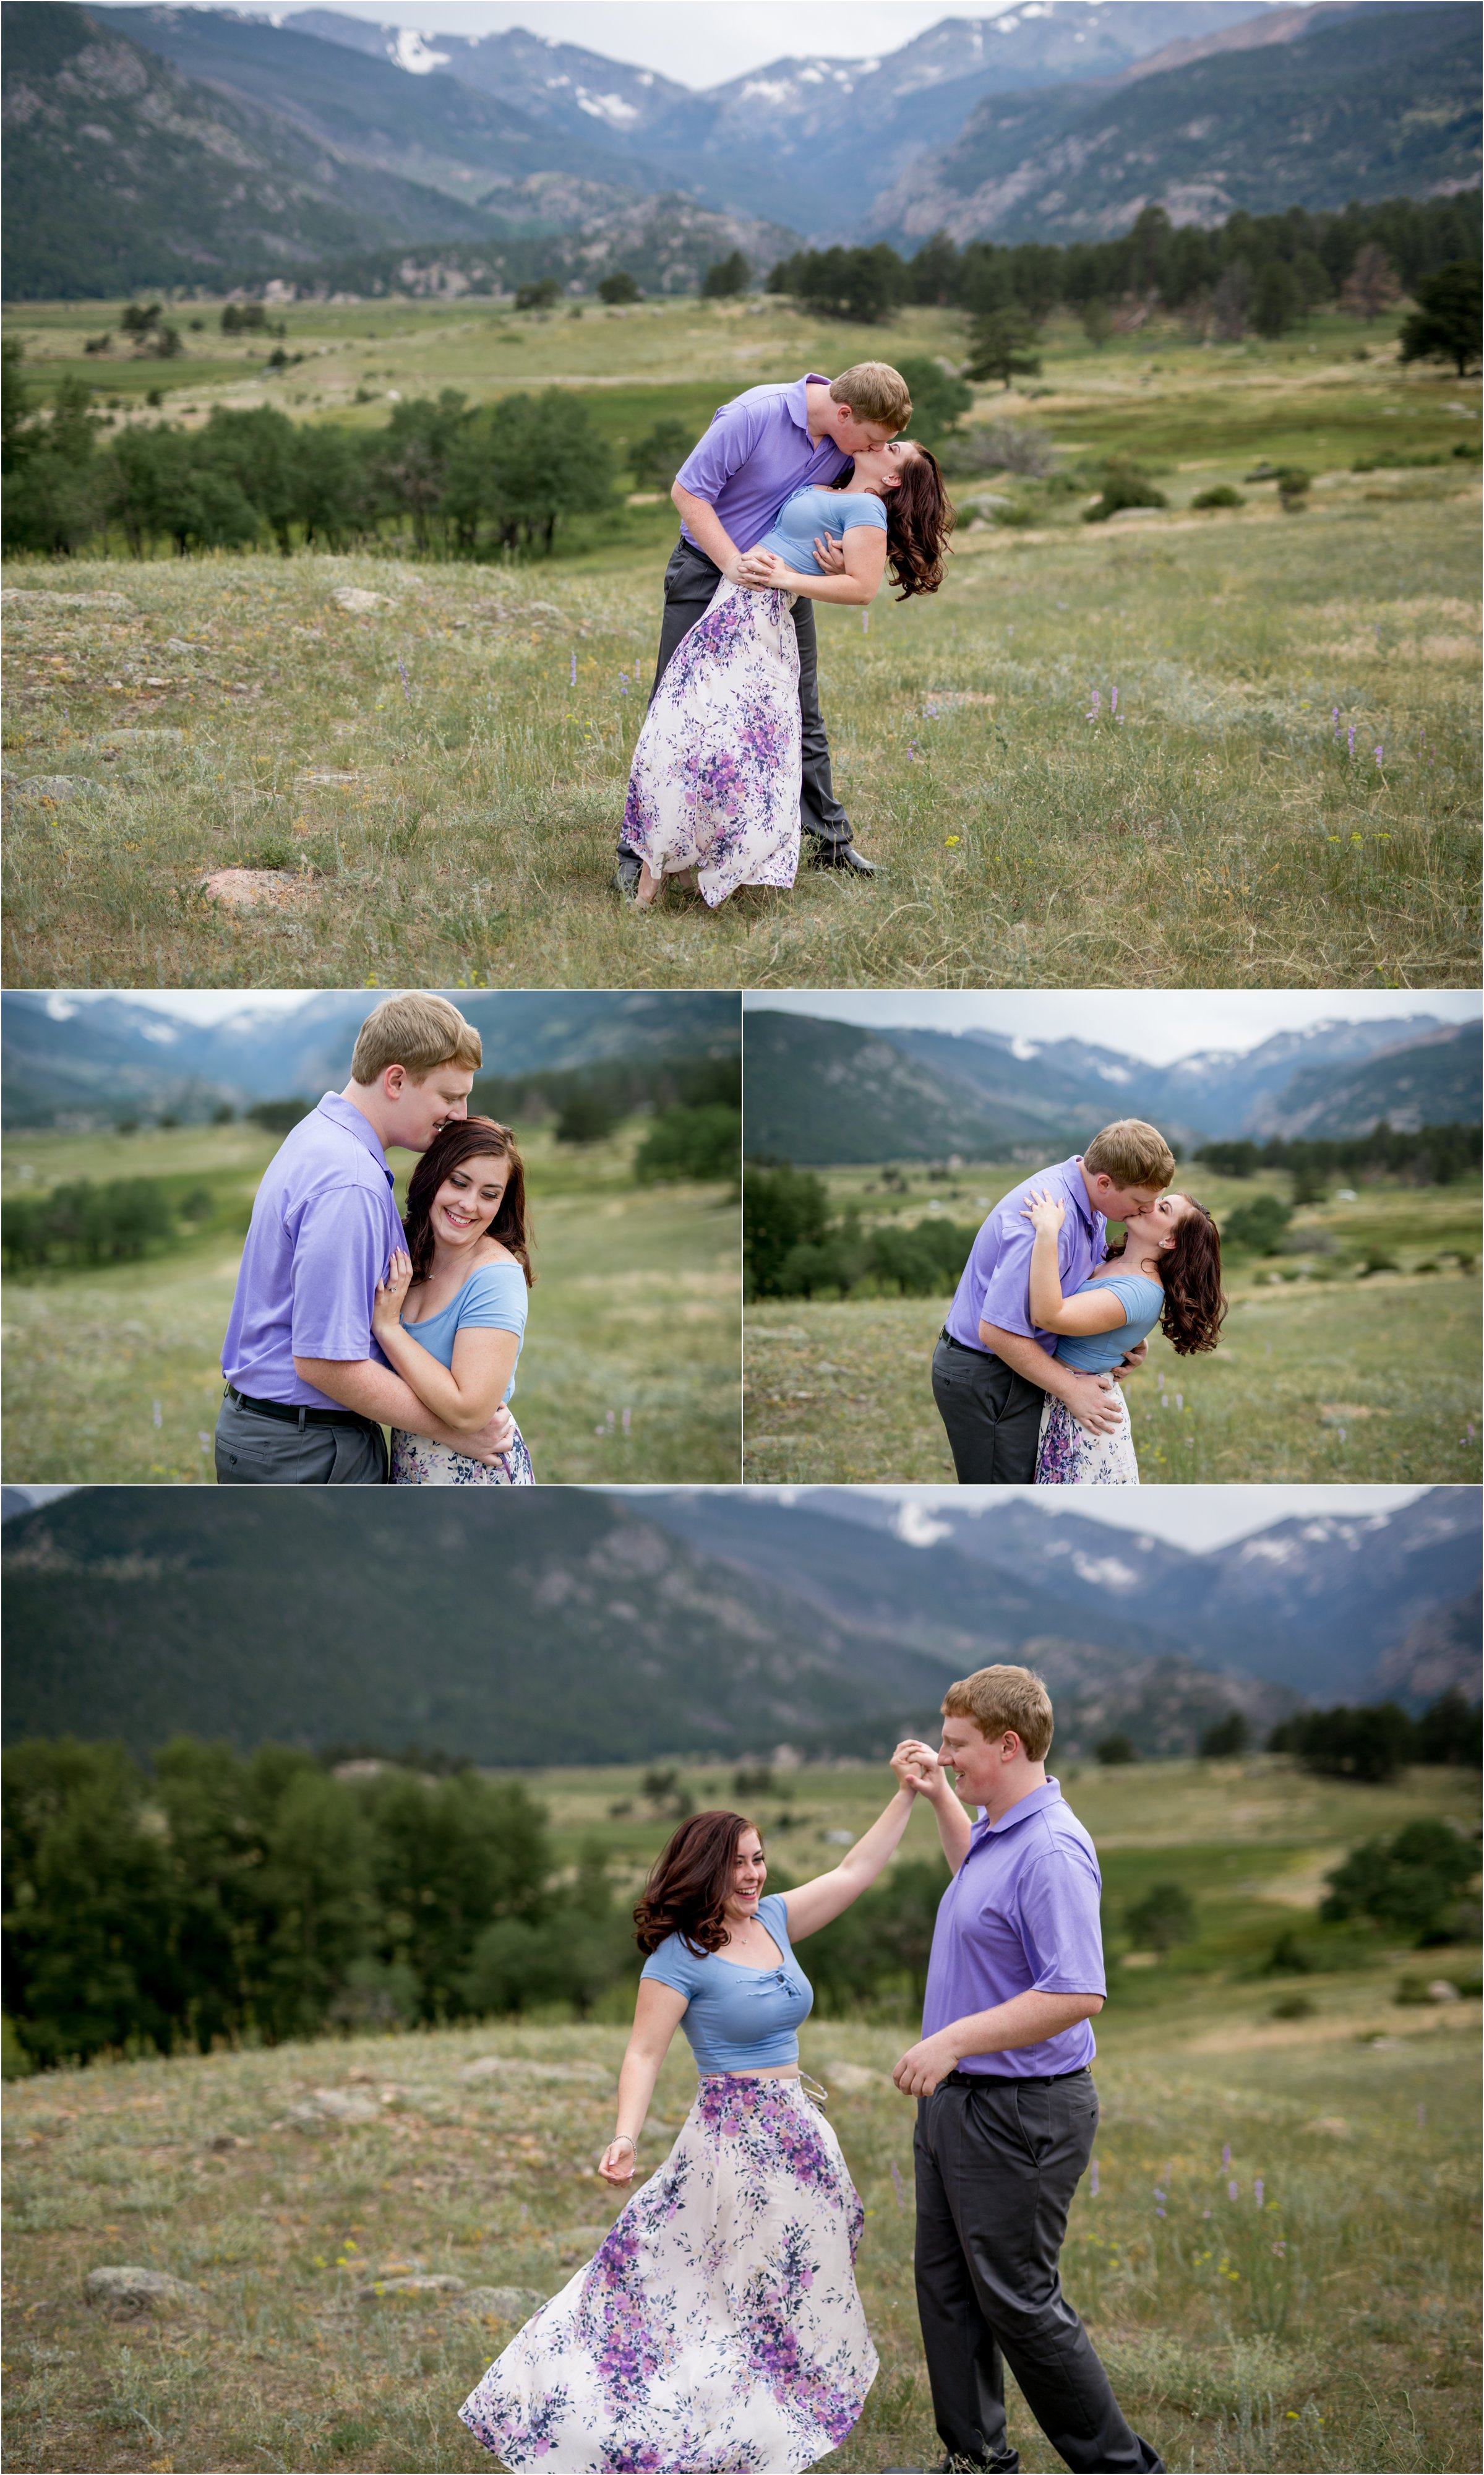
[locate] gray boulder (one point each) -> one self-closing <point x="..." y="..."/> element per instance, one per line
<point x="139" y="2290"/>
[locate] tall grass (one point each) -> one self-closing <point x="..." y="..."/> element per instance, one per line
<point x="1218" y="833"/>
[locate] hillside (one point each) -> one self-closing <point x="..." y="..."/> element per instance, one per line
<point x="116" y="1058"/>
<point x="121" y="173"/>
<point x="705" y="1620"/>
<point x="828" y="1094"/>
<point x="1354" y="105"/>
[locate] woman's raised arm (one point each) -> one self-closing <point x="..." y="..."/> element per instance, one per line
<point x="820" y="1902"/>
<point x="657" y="2014"/>
<point x="1098" y="1311"/>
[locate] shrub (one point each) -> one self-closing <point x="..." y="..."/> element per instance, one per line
<point x="619" y="288"/>
<point x="1410" y="1882"/>
<point x="1221" y="495"/>
<point x="1257" y="1227"/>
<point x="586" y="1118"/>
<point x="938" y="399"/>
<point x="1164" y="1916"/>
<point x="1293" y="488"/>
<point x="1116" y="1749"/>
<point x="1124" y="485"/>
<point x="656" y="458"/>
<point x="540" y="295"/>
<point x="702" y="1143"/>
<point x="781" y="1208"/>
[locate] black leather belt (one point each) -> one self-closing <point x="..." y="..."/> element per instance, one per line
<point x="967" y="1347"/>
<point x="1009" y="2079"/>
<point x="301" y="1415"/>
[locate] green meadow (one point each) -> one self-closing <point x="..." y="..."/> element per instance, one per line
<point x="438" y="796"/>
<point x="1326" y="1370"/>
<point x="629" y="1370"/>
<point x="1278" y="2262"/>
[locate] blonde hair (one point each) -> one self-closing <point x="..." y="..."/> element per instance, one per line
<point x="1131" y="1154"/>
<point x="875" y="392"/>
<point x="1001" y="1698"/>
<point x="417" y="1031"/>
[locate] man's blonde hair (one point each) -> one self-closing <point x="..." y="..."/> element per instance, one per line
<point x="875" y="392"/>
<point x="1131" y="1154"/>
<point x="417" y="1031"/>
<point x="1001" y="1698"/>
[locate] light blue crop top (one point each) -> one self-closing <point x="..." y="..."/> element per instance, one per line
<point x="817" y="510"/>
<point x="738" y="2019"/>
<point x="1142" y="1301"/>
<point x="493" y="1299"/>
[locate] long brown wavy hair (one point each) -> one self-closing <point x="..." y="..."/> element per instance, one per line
<point x="686" y="1893"/>
<point x="1195" y="1305"/>
<point x="919" y="518"/>
<point x="468" y="1138"/>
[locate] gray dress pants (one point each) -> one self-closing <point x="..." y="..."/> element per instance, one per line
<point x="998" y="2161"/>
<point x="689" y="582"/>
<point x="255" y="1451"/>
<point x="993" y="1416"/>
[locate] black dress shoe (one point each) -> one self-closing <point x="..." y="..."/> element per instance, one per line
<point x="843" y="855"/>
<point x="625" y="879"/>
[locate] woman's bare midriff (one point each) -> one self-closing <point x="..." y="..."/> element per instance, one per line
<point x="764" y="2071"/>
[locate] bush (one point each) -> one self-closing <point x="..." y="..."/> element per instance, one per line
<point x="586" y="1118"/>
<point x="781" y="1208"/>
<point x="1293" y="488"/>
<point x="1221" y="495"/>
<point x="1257" y="1227"/>
<point x="1410" y="1882"/>
<point x="1116" y="1749"/>
<point x="1164" y="1916"/>
<point x="1124" y="485"/>
<point x="656" y="458"/>
<point x="619" y="288"/>
<point x="938" y="399"/>
<point x="542" y="294"/>
<point x="699" y="1143"/>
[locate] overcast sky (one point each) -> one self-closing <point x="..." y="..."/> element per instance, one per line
<point x="1156" y="1024"/>
<point x="696" y="42"/>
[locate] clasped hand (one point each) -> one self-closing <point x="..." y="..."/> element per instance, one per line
<point x="1044" y="1212"/>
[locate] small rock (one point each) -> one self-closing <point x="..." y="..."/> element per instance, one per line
<point x="380" y="2285"/>
<point x="355" y="597"/>
<point x="139" y="2290"/>
<point x="218" y="2141"/>
<point x="342" y="2105"/>
<point x="47" y="785"/>
<point x="254" y="889"/>
<point x="337" y="781"/>
<point x="1442" y="1990"/>
<point x="502" y="2302"/>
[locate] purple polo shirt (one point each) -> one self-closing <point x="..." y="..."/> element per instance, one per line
<point x="996" y="1283"/>
<point x="758" y="452"/>
<point x="1020" y="1915"/>
<point x="323" y="1229"/>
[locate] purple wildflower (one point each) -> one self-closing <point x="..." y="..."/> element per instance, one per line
<point x="1334" y="716"/>
<point x="574" y="670"/>
<point x="1379" y="753"/>
<point x="1096" y="702"/>
<point x="1350" y="744"/>
<point x="1257" y="2190"/>
<point x="405" y="686"/>
<point x="1231" y="2190"/>
<point x="1094" y="2185"/>
<point x="1112" y="703"/>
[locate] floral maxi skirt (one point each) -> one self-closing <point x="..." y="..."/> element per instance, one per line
<point x="1072" y="1455"/>
<point x="418" y="1461"/>
<point x="718" y="2326"/>
<point x="719" y="766"/>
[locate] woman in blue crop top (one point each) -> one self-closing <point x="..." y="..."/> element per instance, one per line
<point x="713" y="794"/>
<point x="719" y="2325"/>
<point x="450" y="1314"/>
<point x="1167" y="1271"/>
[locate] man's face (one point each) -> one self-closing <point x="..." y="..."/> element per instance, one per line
<point x="853" y="435"/>
<point x="1117" y="1202"/>
<point x="972" y="1762"/>
<point x="418" y="1110"/>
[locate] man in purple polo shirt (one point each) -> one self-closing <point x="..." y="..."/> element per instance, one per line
<point x="992" y="1367"/>
<point x="308" y="1389"/>
<point x="1007" y="2112"/>
<point x="761" y="448"/>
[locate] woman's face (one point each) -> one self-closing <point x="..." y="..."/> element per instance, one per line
<point x="1153" y="1231"/>
<point x="469" y="1199"/>
<point x="883" y="466"/>
<point x="749" y="1872"/>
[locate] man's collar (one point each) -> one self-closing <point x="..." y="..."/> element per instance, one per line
<point x="344" y="1113"/>
<point x="1039" y="1798"/>
<point x="1078" y="1185"/>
